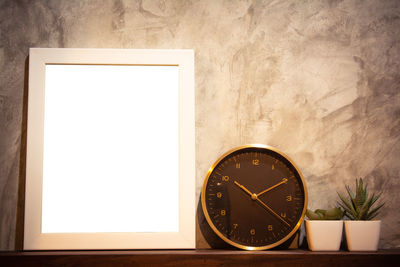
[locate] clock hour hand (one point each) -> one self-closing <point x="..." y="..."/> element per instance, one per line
<point x="253" y="196"/>
<point x="284" y="180"/>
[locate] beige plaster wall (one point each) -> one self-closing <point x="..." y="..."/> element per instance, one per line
<point x="318" y="80"/>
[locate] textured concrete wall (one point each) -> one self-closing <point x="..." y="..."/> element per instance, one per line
<point x="319" y="80"/>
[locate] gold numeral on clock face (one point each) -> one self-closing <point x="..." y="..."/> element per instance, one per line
<point x="256" y="162"/>
<point x="223" y="212"/>
<point x="225" y="178"/>
<point x="253" y="231"/>
<point x="219" y="194"/>
<point x="235" y="225"/>
<point x="283" y="214"/>
<point x="270" y="228"/>
<point x="289" y="198"/>
<point x="238" y="165"/>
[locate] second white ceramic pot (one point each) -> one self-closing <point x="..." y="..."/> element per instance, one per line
<point x="362" y="235"/>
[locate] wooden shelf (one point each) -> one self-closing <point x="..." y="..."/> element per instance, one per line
<point x="194" y="258"/>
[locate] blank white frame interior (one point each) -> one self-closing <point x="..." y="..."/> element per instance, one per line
<point x="110" y="149"/>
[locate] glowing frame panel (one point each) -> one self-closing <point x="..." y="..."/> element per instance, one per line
<point x="184" y="238"/>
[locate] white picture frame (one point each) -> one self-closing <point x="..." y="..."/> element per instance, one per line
<point x="76" y="112"/>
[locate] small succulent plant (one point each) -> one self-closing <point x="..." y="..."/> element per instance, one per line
<point x="358" y="206"/>
<point x="331" y="214"/>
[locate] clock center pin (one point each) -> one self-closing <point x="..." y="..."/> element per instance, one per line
<point x="254" y="196"/>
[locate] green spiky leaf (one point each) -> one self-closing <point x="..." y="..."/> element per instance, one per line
<point x="373" y="213"/>
<point x="358" y="205"/>
<point x="346" y="204"/>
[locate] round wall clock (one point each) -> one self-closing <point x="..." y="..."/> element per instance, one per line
<point x="254" y="197"/>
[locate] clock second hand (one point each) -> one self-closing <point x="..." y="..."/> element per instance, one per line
<point x="254" y="197"/>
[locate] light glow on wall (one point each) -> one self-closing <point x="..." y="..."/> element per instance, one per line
<point x="110" y="137"/>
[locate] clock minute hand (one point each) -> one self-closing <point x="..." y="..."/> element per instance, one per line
<point x="284" y="180"/>
<point x="273" y="212"/>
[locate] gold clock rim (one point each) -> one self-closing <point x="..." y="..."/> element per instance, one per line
<point x="207" y="216"/>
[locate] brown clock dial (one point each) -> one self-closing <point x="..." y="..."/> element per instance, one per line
<point x="254" y="197"/>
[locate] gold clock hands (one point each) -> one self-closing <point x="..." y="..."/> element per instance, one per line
<point x="273" y="212"/>
<point x="253" y="196"/>
<point x="284" y="180"/>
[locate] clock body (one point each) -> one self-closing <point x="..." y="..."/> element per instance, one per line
<point x="254" y="197"/>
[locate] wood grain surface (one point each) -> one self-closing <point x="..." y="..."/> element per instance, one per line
<point x="230" y="258"/>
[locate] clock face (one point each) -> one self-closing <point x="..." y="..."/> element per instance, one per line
<point x="254" y="197"/>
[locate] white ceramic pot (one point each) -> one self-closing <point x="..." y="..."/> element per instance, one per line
<point x="324" y="235"/>
<point x="362" y="235"/>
